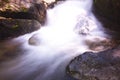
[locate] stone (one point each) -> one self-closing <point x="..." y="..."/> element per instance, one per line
<point x="34" y="40"/>
<point x="36" y="11"/>
<point x="101" y="44"/>
<point x="108" y="13"/>
<point x="11" y="28"/>
<point x="19" y="17"/>
<point x="103" y="65"/>
<point x="109" y="9"/>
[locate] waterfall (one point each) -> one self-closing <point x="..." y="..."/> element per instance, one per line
<point x="47" y="51"/>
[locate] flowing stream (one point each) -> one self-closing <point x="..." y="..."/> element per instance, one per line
<point x="44" y="54"/>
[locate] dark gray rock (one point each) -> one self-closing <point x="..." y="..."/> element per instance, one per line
<point x="96" y="66"/>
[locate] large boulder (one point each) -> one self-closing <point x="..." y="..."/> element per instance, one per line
<point x="96" y="66"/>
<point x="18" y="17"/>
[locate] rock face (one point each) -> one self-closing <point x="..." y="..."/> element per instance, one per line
<point x="109" y="9"/>
<point x="108" y="12"/>
<point x="96" y="66"/>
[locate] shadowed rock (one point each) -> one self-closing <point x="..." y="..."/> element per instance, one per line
<point x="108" y="13"/>
<point x="10" y="28"/>
<point x="109" y="9"/>
<point x="96" y="66"/>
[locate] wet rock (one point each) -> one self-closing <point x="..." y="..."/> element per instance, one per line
<point x="96" y="66"/>
<point x="54" y="3"/>
<point x="109" y="9"/>
<point x="34" y="40"/>
<point x="101" y="44"/>
<point x="10" y="28"/>
<point x="108" y="12"/>
<point x="39" y="12"/>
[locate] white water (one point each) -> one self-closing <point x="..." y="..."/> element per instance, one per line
<point x="69" y="25"/>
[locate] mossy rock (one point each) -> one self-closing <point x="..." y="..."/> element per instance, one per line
<point x="10" y="28"/>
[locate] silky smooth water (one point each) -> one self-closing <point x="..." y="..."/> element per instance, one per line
<point x="46" y="52"/>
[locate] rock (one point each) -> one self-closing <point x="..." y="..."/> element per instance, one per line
<point x="18" y="5"/>
<point x="108" y="13"/>
<point x="54" y="3"/>
<point x="10" y="28"/>
<point x="35" y="40"/>
<point x="18" y="17"/>
<point x="109" y="9"/>
<point x="101" y="44"/>
<point x="39" y="12"/>
<point x="35" y="11"/>
<point x="104" y="65"/>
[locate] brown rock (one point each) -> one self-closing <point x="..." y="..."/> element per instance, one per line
<point x="109" y="9"/>
<point x="108" y="13"/>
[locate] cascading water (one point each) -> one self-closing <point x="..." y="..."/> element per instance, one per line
<point x="47" y="51"/>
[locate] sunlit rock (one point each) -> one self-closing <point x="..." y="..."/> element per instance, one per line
<point x="36" y="11"/>
<point x="17" y="5"/>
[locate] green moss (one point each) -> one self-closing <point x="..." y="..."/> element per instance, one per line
<point x="23" y="9"/>
<point x="15" y="26"/>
